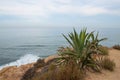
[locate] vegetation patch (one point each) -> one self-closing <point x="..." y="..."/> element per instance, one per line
<point x="116" y="47"/>
<point x="64" y="72"/>
<point x="103" y="50"/>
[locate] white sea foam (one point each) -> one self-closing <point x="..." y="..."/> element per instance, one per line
<point x="28" y="58"/>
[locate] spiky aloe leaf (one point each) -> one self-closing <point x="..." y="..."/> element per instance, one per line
<point x="68" y="40"/>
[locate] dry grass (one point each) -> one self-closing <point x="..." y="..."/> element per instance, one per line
<point x="63" y="72"/>
<point x="104" y="50"/>
<point x="107" y="64"/>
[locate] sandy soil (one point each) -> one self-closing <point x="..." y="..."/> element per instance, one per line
<point x="107" y="75"/>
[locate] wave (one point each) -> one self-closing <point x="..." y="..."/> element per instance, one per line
<point x="28" y="58"/>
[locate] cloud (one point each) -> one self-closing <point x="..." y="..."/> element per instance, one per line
<point x="24" y="8"/>
<point x="45" y="8"/>
<point x="80" y="10"/>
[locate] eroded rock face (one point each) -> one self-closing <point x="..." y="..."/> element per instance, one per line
<point x="40" y="67"/>
<point x="14" y="72"/>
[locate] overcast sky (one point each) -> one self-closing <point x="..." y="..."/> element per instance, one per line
<point x="59" y="13"/>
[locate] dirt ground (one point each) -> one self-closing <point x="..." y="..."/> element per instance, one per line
<point x="107" y="75"/>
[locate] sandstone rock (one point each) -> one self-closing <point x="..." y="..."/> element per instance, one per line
<point x="14" y="72"/>
<point x="49" y="58"/>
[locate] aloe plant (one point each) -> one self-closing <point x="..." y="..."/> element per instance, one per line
<point x="83" y="46"/>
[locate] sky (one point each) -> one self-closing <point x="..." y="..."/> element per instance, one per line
<point x="60" y="13"/>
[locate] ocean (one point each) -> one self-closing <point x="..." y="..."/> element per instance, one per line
<point x="20" y="46"/>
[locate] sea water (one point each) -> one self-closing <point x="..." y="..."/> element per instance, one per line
<point x="25" y="45"/>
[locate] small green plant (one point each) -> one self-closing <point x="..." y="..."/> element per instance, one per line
<point x="116" y="47"/>
<point x="107" y="64"/>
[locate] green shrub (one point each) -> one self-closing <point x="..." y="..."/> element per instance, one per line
<point x="107" y="64"/>
<point x="116" y="47"/>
